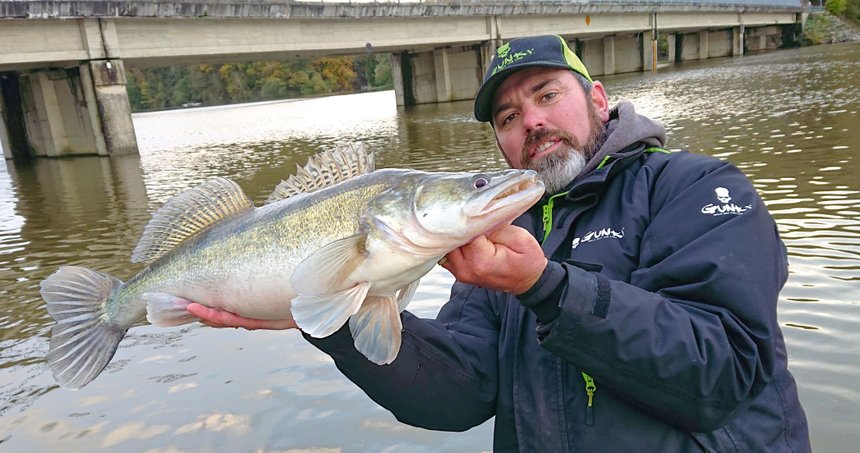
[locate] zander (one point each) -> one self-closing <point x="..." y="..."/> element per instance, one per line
<point x="338" y="242"/>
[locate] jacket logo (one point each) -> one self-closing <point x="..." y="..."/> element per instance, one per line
<point x="725" y="207"/>
<point x="596" y="235"/>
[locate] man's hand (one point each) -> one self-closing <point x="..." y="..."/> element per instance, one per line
<point x="508" y="259"/>
<point x="219" y="318"/>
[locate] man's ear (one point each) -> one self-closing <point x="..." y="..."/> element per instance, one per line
<point x="600" y="100"/>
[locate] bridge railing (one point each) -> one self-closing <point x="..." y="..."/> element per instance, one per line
<point x="789" y="3"/>
<point x="44" y="9"/>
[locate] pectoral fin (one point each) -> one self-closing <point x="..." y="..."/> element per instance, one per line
<point x="376" y="329"/>
<point x="404" y="295"/>
<point x="326" y="270"/>
<point x="321" y="316"/>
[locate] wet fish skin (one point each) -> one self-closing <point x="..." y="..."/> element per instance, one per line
<point x="338" y="243"/>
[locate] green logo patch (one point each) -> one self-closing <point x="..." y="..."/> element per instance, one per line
<point x="508" y="58"/>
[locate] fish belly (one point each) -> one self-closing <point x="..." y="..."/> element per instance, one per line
<point x="250" y="286"/>
<point x="266" y="297"/>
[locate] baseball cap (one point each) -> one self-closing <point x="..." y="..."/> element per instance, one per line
<point x="547" y="50"/>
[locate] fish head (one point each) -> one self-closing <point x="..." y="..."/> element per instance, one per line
<point x="439" y="212"/>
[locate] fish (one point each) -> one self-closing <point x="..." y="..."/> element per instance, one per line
<point x="337" y="242"/>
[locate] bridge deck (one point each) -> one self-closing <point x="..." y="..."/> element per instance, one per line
<point x="271" y="9"/>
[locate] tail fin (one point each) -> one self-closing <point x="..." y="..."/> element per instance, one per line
<point x="83" y="341"/>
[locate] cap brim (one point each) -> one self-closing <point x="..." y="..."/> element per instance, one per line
<point x="484" y="98"/>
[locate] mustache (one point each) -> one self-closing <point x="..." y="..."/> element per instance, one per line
<point x="539" y="136"/>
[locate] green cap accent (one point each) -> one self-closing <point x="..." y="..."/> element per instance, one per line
<point x="548" y="50"/>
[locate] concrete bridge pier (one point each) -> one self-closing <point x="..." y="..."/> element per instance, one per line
<point x="738" y="41"/>
<point x="5" y="144"/>
<point x="649" y="43"/>
<point x="671" y="46"/>
<point x="608" y="55"/>
<point x="4" y="132"/>
<point x="76" y="110"/>
<point x="113" y="106"/>
<point x="733" y="41"/>
<point x="12" y="129"/>
<point x="763" y="38"/>
<point x="702" y="45"/>
<point x="613" y="54"/>
<point x="440" y="75"/>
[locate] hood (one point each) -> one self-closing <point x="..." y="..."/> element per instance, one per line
<point x="624" y="128"/>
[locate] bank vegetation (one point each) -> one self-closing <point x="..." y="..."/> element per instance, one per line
<point x="836" y="21"/>
<point x="207" y="84"/>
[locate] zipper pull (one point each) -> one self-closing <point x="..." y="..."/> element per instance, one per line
<point x="547" y="215"/>
<point x="590" y="388"/>
<point x="547" y="219"/>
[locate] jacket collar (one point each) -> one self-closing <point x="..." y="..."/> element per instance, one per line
<point x="611" y="165"/>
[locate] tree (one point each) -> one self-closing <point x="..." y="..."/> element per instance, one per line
<point x="337" y="73"/>
<point x="382" y="72"/>
<point x="167" y="87"/>
<point x="836" y="7"/>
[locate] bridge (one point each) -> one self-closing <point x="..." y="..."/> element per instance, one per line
<point x="62" y="63"/>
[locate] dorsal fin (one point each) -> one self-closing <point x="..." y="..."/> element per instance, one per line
<point x="326" y="169"/>
<point x="188" y="213"/>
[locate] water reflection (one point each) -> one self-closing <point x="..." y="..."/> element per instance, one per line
<point x="788" y="119"/>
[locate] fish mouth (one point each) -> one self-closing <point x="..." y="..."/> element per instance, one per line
<point x="511" y="194"/>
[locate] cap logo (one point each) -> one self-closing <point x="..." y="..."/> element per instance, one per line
<point x="508" y="58"/>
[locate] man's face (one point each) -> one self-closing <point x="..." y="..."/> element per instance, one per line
<point x="545" y="121"/>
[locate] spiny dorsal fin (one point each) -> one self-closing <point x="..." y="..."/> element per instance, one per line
<point x="326" y="169"/>
<point x="187" y="214"/>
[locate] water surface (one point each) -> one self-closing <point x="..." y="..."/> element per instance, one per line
<point x="789" y="119"/>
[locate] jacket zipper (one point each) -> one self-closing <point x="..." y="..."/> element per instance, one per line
<point x="547" y="215"/>
<point x="590" y="386"/>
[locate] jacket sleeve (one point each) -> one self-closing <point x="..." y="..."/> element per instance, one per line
<point x="445" y="375"/>
<point x="691" y="338"/>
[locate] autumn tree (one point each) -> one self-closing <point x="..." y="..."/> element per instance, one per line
<point x="167" y="87"/>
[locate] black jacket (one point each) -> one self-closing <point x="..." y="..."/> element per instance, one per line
<point x="662" y="287"/>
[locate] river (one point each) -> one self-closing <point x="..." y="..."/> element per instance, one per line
<point x="788" y="118"/>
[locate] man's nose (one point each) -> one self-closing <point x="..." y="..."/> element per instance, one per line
<point x="533" y="119"/>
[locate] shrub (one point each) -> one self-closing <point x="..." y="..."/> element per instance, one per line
<point x="836" y="7"/>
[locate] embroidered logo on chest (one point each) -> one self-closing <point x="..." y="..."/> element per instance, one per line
<point x="597" y="235"/>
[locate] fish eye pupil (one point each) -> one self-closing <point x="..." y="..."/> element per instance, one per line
<point x="480" y="182"/>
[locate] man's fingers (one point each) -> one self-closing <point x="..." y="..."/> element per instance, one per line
<point x="451" y="260"/>
<point x="207" y="315"/>
<point x="478" y="246"/>
<point x="220" y="318"/>
<point x="510" y="236"/>
<point x="507" y="259"/>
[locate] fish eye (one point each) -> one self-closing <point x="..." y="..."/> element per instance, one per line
<point x="480" y="182"/>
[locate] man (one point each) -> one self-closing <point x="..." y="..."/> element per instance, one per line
<point x="633" y="308"/>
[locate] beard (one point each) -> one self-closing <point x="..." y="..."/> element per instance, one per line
<point x="558" y="169"/>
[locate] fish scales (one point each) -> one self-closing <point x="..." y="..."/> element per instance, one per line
<point x="263" y="242"/>
<point x="331" y="238"/>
